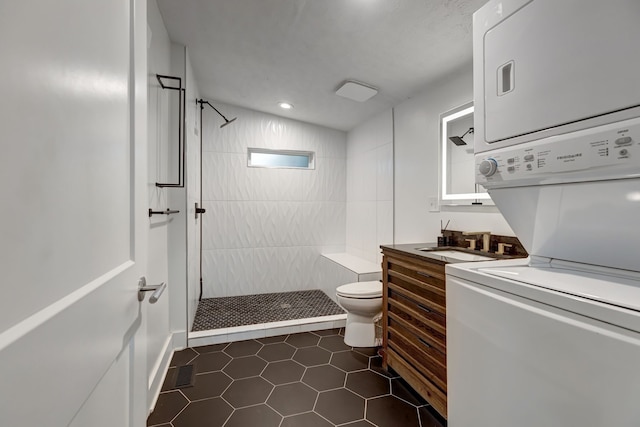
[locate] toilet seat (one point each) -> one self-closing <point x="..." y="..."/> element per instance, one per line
<point x="360" y="290"/>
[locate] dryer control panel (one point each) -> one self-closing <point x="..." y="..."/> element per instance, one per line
<point x="607" y="152"/>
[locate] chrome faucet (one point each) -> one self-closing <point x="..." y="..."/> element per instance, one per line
<point x="486" y="238"/>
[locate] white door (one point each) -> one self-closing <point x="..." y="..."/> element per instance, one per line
<point x="72" y="222"/>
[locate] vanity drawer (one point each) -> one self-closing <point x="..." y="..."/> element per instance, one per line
<point x="430" y="325"/>
<point x="419" y="353"/>
<point x="430" y="274"/>
<point x="428" y="297"/>
<point x="428" y="344"/>
<point x="436" y="397"/>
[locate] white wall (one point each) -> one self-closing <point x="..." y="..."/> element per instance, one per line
<point x="162" y="132"/>
<point x="177" y="223"/>
<point x="265" y="229"/>
<point x="416" y="165"/>
<point x="370" y="187"/>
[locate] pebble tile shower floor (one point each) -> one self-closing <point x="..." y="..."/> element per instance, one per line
<point x="310" y="379"/>
<point x="225" y="312"/>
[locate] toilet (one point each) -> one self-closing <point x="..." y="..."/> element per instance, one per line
<point x="363" y="303"/>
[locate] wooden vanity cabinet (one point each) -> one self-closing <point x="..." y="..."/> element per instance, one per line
<point x="414" y="323"/>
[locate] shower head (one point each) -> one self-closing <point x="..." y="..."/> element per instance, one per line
<point x="226" y="121"/>
<point x="458" y="139"/>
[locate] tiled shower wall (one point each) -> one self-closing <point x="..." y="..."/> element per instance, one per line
<point x="370" y="187"/>
<point x="264" y="229"/>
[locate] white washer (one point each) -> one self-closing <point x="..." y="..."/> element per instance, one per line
<point x="542" y="346"/>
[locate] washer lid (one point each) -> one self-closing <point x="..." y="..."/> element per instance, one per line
<point x="371" y="289"/>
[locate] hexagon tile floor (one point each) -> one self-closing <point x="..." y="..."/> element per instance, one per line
<point x="310" y="379"/>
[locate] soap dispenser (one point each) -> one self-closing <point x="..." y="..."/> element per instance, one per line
<point x="444" y="239"/>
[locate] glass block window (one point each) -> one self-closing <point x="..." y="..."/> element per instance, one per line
<point x="287" y="159"/>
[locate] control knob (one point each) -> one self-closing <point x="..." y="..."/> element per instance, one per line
<point x="488" y="166"/>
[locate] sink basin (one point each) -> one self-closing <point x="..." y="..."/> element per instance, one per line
<point x="458" y="255"/>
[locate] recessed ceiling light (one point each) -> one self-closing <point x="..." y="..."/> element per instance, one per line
<point x="356" y="91"/>
<point x="285" y="105"/>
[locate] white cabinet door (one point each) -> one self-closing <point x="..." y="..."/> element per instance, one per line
<point x="515" y="362"/>
<point x="73" y="226"/>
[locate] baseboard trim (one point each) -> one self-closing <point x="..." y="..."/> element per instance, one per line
<point x="160" y="369"/>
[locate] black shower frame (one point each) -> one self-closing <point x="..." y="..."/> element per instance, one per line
<point x="181" y="136"/>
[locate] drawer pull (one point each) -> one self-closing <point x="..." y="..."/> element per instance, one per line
<point x="422" y="273"/>
<point x="424" y="342"/>
<point x="424" y="308"/>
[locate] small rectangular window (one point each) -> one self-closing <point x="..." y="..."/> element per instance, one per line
<point x="288" y="159"/>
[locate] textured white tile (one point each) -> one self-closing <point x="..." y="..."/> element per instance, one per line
<point x="266" y="269"/>
<point x="267" y="233"/>
<point x="355" y="182"/>
<point x="215" y="233"/>
<point x="370" y="226"/>
<point x="242" y="224"/>
<point x="384" y="227"/>
<point x="311" y="185"/>
<point x="263" y="227"/>
<point x="313" y="223"/>
<point x="289" y="223"/>
<point x="210" y="126"/>
<point x="353" y="237"/>
<point x="215" y="176"/>
<point x="228" y="139"/>
<point x="357" y="223"/>
<point x="239" y="271"/>
<point x="294" y="268"/>
<point x="350" y="180"/>
<point x="334" y="144"/>
<point x="214" y="273"/>
<point x="289" y="184"/>
<point x="264" y="182"/>
<point x="384" y="173"/>
<point x="335" y="223"/>
<point x="239" y="183"/>
<point x="368" y="175"/>
<point x="307" y="257"/>
<point x="313" y="182"/>
<point x="335" y="180"/>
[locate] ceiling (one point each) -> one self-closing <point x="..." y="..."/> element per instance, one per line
<point x="256" y="53"/>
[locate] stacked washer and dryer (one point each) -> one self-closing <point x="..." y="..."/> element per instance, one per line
<point x="553" y="340"/>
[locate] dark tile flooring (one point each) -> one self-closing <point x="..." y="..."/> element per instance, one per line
<point x="225" y="312"/>
<point x="310" y="379"/>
